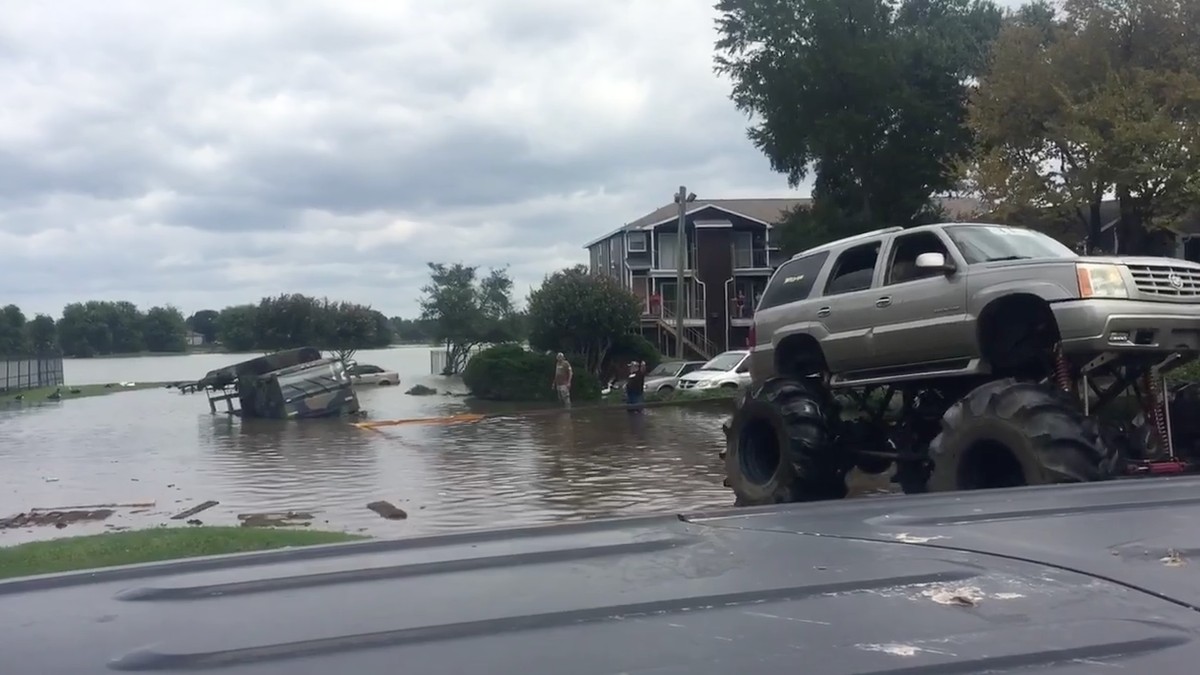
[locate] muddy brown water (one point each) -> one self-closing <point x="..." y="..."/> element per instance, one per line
<point x="164" y="447"/>
<point x="155" y="453"/>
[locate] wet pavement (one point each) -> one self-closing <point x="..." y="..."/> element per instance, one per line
<point x="162" y="447"/>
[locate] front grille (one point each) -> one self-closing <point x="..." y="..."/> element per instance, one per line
<point x="687" y="384"/>
<point x="1168" y="281"/>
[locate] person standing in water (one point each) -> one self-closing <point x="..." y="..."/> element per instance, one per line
<point x="635" y="385"/>
<point x="562" y="379"/>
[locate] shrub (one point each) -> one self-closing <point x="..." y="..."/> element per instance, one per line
<point x="509" y="373"/>
<point x="629" y="347"/>
<point x="1188" y="373"/>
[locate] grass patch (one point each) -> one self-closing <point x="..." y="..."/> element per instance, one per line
<point x="143" y="546"/>
<point x="67" y="392"/>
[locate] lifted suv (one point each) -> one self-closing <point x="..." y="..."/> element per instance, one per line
<point x="967" y="356"/>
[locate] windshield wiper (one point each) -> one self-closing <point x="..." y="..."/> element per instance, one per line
<point x="1009" y="257"/>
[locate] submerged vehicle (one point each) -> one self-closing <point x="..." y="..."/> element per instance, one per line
<point x="290" y="384"/>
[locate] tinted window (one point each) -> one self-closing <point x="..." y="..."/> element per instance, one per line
<point x="793" y="280"/>
<point x="904" y="257"/>
<point x="690" y="367"/>
<point x="854" y="269"/>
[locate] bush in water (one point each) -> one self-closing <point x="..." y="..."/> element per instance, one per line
<point x="509" y="373"/>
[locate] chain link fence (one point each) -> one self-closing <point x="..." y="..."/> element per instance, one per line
<point x="19" y="374"/>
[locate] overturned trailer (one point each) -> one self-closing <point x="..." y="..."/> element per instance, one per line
<point x="291" y="384"/>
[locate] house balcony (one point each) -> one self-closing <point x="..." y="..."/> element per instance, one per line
<point x="665" y="263"/>
<point x="751" y="259"/>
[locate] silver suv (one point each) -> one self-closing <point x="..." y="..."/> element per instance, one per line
<point x="967" y="355"/>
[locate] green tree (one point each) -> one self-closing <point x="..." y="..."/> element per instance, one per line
<point x="164" y="330"/>
<point x="204" y="322"/>
<point x="345" y="327"/>
<point x="1101" y="98"/>
<point x="581" y="314"/>
<point x="100" y="327"/>
<point x="413" y="331"/>
<point x="465" y="311"/>
<point x="866" y="95"/>
<point x="13" y="337"/>
<point x="42" y="334"/>
<point x="237" y="328"/>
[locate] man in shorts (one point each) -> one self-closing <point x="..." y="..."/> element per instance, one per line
<point x="562" y="379"/>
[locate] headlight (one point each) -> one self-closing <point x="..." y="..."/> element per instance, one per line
<point x="1100" y="281"/>
<point x="705" y="384"/>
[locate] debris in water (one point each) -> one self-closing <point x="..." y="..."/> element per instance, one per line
<point x="1173" y="559"/>
<point x="281" y="518"/>
<point x="59" y="519"/>
<point x="388" y="510"/>
<point x="195" y="509"/>
<point x="967" y="596"/>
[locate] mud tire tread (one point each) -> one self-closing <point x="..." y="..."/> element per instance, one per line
<point x="801" y="413"/>
<point x="1044" y="427"/>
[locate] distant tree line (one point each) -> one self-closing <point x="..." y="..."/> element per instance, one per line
<point x="99" y="328"/>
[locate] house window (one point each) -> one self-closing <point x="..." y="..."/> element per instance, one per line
<point x="637" y="242"/>
<point x="667" y="250"/>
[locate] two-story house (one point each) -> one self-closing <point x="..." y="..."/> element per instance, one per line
<point x="730" y="254"/>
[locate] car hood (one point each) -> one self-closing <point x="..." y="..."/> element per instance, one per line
<point x="660" y="379"/>
<point x="698" y="375"/>
<point x="1069" y="580"/>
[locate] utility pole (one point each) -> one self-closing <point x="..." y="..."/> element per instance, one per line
<point x="682" y="198"/>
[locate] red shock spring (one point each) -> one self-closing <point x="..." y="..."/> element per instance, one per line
<point x="1062" y="370"/>
<point x="1157" y="412"/>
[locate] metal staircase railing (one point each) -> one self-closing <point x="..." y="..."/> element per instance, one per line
<point x="695" y="338"/>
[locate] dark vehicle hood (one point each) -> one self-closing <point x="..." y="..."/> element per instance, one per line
<point x="1079" y="579"/>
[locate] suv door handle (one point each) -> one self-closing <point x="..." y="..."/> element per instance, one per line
<point x="824" y="311"/>
<point x="884" y="301"/>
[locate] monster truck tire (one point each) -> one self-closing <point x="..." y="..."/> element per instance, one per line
<point x="779" y="446"/>
<point x="1009" y="432"/>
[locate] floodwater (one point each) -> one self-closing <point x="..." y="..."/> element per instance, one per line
<point x="164" y="452"/>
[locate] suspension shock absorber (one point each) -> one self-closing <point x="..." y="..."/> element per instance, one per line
<point x="1062" y="370"/>
<point x="1157" y="412"/>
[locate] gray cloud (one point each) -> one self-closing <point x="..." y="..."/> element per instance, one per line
<point x="208" y="154"/>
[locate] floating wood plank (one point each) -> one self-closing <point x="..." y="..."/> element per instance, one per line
<point x="195" y="509"/>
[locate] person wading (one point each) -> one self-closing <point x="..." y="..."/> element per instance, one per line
<point x="635" y="385"/>
<point x="562" y="379"/>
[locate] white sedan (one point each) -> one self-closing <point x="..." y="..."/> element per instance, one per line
<point x="363" y="373"/>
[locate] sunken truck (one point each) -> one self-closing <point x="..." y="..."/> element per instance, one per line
<point x="291" y="384"/>
<point x="965" y="356"/>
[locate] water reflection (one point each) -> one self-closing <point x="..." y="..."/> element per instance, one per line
<point x="316" y="465"/>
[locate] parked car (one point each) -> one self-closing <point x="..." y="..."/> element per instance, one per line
<point x="367" y="374"/>
<point x="664" y="378"/>
<point x="730" y="370"/>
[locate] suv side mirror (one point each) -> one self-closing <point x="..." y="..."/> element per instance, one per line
<point x="934" y="261"/>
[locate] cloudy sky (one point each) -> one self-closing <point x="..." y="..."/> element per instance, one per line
<point x="206" y="154"/>
<point x="209" y="153"/>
